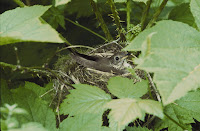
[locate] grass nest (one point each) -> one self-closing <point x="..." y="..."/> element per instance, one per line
<point x="74" y="73"/>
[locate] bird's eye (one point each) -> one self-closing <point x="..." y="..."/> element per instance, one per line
<point x="117" y="58"/>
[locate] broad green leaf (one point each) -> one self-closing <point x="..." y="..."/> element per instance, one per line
<point x="38" y="109"/>
<point x="174" y="58"/>
<point x="85" y="99"/>
<point x="191" y="104"/>
<point x="86" y="122"/>
<point x="24" y="24"/>
<point x="183" y="14"/>
<point x="182" y="111"/>
<point x="55" y="16"/>
<point x="61" y="2"/>
<point x="31" y="126"/>
<point x="195" y="9"/>
<point x="126" y="110"/>
<point x="125" y="88"/>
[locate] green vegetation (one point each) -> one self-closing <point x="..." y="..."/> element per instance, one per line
<point x="165" y="34"/>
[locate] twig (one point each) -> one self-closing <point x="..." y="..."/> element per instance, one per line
<point x="20" y="3"/>
<point x="117" y="20"/>
<point x="157" y="95"/>
<point x="35" y="70"/>
<point x="106" y="44"/>
<point x="128" y="14"/>
<point x="154" y="87"/>
<point x="157" y="13"/>
<point x="77" y="24"/>
<point x="17" y="56"/>
<point x="101" y="21"/>
<point x="58" y="105"/>
<point x="145" y="13"/>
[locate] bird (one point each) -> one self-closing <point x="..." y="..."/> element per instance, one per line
<point x="113" y="64"/>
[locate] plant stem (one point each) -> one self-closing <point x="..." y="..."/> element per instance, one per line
<point x="20" y="3"/>
<point x="154" y="87"/>
<point x="145" y="13"/>
<point x="178" y="124"/>
<point x="35" y="70"/>
<point x="128" y="14"/>
<point x="157" y="13"/>
<point x="77" y="24"/>
<point x="101" y="21"/>
<point x="117" y="20"/>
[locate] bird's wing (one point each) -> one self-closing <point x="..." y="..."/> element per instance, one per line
<point x="84" y="61"/>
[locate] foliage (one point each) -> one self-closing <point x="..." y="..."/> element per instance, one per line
<point x="167" y="39"/>
<point x="27" y="26"/>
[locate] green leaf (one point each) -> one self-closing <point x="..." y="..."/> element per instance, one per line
<point x="174" y="50"/>
<point x="85" y="122"/>
<point x="84" y="99"/>
<point x="191" y="104"/>
<point x="24" y="24"/>
<point x="124" y="87"/>
<point x="61" y="2"/>
<point x="31" y="126"/>
<point x="127" y="110"/>
<point x="183" y="14"/>
<point x="28" y="98"/>
<point x="195" y="9"/>
<point x="182" y="111"/>
<point x="54" y="16"/>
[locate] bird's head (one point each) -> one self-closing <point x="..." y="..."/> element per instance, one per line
<point x="118" y="59"/>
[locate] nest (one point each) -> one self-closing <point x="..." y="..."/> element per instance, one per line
<point x="74" y="73"/>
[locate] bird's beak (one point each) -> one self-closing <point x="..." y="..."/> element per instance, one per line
<point x="124" y="57"/>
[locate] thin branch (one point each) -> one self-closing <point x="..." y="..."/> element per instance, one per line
<point x="117" y="20"/>
<point x="20" y="3"/>
<point x="154" y="87"/>
<point x="34" y="70"/>
<point x="145" y="14"/>
<point x="157" y="13"/>
<point x="77" y="24"/>
<point x="157" y="95"/>
<point x="128" y="14"/>
<point x="101" y="20"/>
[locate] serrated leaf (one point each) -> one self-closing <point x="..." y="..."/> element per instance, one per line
<point x="84" y="122"/>
<point x="126" y="110"/>
<point x="175" y="60"/>
<point x="38" y="109"/>
<point x="191" y="104"/>
<point x="85" y="99"/>
<point x="24" y="24"/>
<point x="182" y="111"/>
<point x="55" y="17"/>
<point x="195" y="9"/>
<point x="61" y="2"/>
<point x="124" y="87"/>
